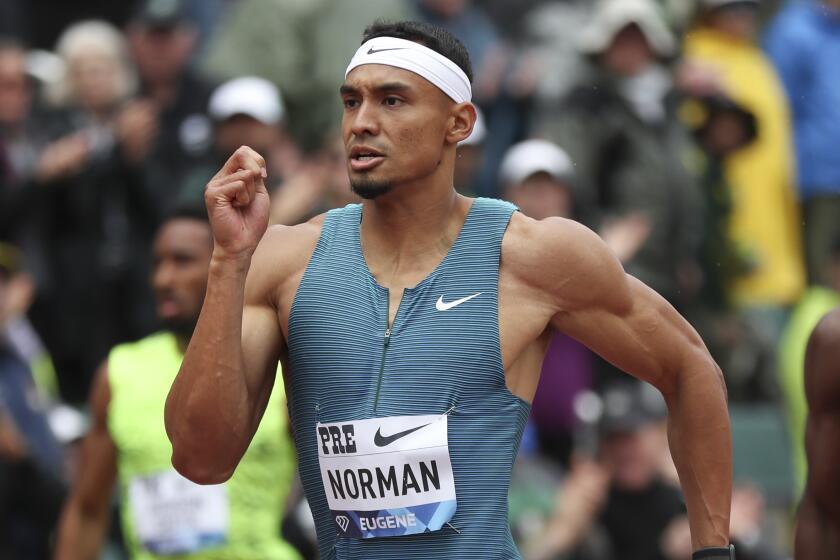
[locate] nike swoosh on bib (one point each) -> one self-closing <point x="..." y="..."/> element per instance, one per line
<point x="372" y="51"/>
<point x="441" y="306"/>
<point x="381" y="441"/>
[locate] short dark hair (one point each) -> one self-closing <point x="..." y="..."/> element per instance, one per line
<point x="436" y="38"/>
<point x="188" y="210"/>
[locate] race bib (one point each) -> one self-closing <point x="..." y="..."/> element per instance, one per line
<point x="386" y="477"/>
<point x="173" y="515"/>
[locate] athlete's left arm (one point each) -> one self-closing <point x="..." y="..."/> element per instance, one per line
<point x="593" y="300"/>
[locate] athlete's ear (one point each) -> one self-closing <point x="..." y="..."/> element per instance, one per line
<point x="461" y="121"/>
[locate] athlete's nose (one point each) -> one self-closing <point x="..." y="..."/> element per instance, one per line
<point x="365" y="120"/>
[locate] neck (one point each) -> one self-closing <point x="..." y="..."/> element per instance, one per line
<point x="407" y="231"/>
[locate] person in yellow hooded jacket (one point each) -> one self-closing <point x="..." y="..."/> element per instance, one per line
<point x="764" y="223"/>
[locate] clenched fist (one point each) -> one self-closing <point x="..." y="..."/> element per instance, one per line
<point x="238" y="204"/>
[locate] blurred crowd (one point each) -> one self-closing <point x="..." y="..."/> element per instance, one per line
<point x="697" y="137"/>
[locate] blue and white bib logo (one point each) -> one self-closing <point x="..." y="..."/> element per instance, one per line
<point x="343" y="521"/>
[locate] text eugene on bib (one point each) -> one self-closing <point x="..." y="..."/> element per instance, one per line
<point x="385" y="477"/>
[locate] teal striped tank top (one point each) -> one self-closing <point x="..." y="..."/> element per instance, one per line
<point x="439" y="357"/>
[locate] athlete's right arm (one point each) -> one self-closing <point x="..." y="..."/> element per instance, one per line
<point x="87" y="512"/>
<point x="222" y="388"/>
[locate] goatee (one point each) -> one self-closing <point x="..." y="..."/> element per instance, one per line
<point x="368" y="189"/>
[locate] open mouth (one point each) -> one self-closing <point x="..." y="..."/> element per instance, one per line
<point x="364" y="159"/>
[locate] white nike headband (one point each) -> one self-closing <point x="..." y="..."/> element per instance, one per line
<point x="414" y="57"/>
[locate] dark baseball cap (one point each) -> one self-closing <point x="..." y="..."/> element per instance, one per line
<point x="629" y="407"/>
<point x="160" y="13"/>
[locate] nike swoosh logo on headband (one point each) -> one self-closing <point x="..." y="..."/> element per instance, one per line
<point x="372" y="51"/>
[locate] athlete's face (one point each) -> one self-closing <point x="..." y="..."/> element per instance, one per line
<point x="396" y="127"/>
<point x="182" y="253"/>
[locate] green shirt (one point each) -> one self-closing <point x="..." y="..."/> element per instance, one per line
<point x="813" y="306"/>
<point x="140" y="376"/>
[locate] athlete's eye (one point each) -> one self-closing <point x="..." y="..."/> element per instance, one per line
<point x="392" y="101"/>
<point x="350" y="103"/>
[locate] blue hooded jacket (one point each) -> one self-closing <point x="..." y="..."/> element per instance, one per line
<point x="804" y="44"/>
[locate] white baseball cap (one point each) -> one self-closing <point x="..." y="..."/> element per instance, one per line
<point x="611" y="16"/>
<point x="250" y="95"/>
<point x="534" y="156"/>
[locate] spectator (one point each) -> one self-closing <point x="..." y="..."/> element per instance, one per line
<point x="625" y="501"/>
<point x="163" y="514"/>
<point x="764" y="218"/>
<point x="20" y="140"/>
<point x="30" y="497"/>
<point x="622" y="491"/>
<point x="536" y="176"/>
<point x="245" y="111"/>
<point x="162" y="41"/>
<point x="804" y="44"/>
<point x="722" y="128"/>
<point x="25" y="153"/>
<point x="94" y="214"/>
<point x="620" y="128"/>
<point x="31" y="486"/>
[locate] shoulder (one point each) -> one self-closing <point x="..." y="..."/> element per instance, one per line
<point x="822" y="374"/>
<point x="283" y="252"/>
<point x="564" y="260"/>
<point x="290" y="244"/>
<point x="827" y="332"/>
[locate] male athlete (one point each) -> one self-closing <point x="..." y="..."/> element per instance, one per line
<point x="818" y="528"/>
<point x="413" y="326"/>
<point x="164" y="514"/>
